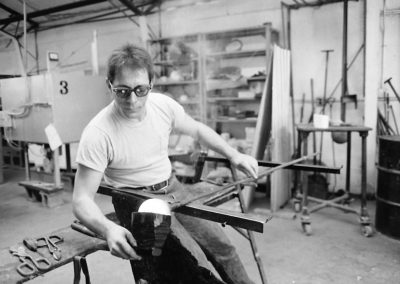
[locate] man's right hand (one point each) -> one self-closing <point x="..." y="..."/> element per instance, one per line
<point x="121" y="242"/>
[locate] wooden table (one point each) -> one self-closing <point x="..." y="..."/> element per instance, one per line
<point x="74" y="244"/>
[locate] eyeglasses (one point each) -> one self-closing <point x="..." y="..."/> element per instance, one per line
<point x="124" y="92"/>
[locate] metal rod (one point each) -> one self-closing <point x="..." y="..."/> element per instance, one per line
<point x="302" y="107"/>
<point x="250" y="234"/>
<point x="245" y="180"/>
<point x="314" y="137"/>
<point x="327" y="51"/>
<point x="297" y="167"/>
<point x="25" y="43"/>
<point x="394" y="119"/>
<point x="344" y="62"/>
<point x="348" y="162"/>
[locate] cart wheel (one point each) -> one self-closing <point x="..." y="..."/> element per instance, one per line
<point x="367" y="231"/>
<point x="307" y="228"/>
<point x="297" y="206"/>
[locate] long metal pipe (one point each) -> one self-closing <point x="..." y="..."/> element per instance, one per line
<point x="222" y="190"/>
<point x="25" y="41"/>
<point x="344" y="62"/>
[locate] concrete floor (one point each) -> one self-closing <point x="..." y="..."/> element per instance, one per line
<point x="335" y="253"/>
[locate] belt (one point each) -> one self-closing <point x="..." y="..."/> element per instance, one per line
<point x="155" y="187"/>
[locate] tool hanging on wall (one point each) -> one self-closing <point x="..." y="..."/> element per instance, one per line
<point x="389" y="82"/>
<point x="383" y="122"/>
<point x="347" y="69"/>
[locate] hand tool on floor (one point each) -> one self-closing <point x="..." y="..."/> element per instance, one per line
<point x="29" y="265"/>
<point x="51" y="243"/>
<point x="225" y="189"/>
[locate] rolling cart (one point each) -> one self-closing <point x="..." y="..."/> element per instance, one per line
<point x="301" y="196"/>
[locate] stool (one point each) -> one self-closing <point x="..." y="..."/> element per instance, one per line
<point x="48" y="194"/>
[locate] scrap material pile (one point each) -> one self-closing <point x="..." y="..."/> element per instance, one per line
<point x="387" y="121"/>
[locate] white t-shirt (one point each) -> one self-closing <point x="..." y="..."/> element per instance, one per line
<point x="130" y="153"/>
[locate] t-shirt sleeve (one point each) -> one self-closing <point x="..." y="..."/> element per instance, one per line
<point x="178" y="113"/>
<point x="94" y="149"/>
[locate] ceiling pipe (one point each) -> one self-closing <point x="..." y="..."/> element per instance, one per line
<point x="52" y="10"/>
<point x="13" y="12"/>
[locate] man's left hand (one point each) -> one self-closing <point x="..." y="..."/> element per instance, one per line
<point x="246" y="164"/>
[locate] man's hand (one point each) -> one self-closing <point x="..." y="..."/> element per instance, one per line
<point x="246" y="164"/>
<point x="121" y="242"/>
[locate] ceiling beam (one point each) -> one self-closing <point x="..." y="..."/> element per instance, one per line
<point x="316" y="3"/>
<point x="150" y="8"/>
<point x="52" y="10"/>
<point x="132" y="7"/>
<point x="15" y="13"/>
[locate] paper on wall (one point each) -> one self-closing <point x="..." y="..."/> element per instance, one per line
<point x="53" y="137"/>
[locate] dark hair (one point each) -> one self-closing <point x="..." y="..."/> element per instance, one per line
<point x="131" y="56"/>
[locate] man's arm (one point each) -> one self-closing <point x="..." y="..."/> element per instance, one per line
<point x="120" y="240"/>
<point x="212" y="140"/>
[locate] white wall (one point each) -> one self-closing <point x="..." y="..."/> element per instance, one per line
<point x="313" y="29"/>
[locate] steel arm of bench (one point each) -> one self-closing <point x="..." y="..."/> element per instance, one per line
<point x="236" y="219"/>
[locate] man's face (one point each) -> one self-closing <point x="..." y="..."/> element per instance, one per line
<point x="131" y="106"/>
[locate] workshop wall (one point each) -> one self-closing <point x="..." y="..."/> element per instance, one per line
<point x="73" y="43"/>
<point x="217" y="16"/>
<point x="390" y="35"/>
<point x="313" y="29"/>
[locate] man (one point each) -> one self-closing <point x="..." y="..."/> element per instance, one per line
<point x="126" y="144"/>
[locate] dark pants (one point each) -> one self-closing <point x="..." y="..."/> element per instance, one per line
<point x="191" y="245"/>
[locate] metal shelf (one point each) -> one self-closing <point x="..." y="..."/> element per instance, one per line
<point x="233" y="120"/>
<point x="254" y="31"/>
<point x="171" y="83"/>
<point x="237" y="54"/>
<point x="256" y="78"/>
<point x="189" y="102"/>
<point x="171" y="63"/>
<point x="227" y="99"/>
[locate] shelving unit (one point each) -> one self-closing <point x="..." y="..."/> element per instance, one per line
<point x="218" y="77"/>
<point x="178" y="71"/>
<point x="235" y="64"/>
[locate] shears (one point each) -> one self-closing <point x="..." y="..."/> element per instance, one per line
<point x="29" y="265"/>
<point x="50" y="242"/>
